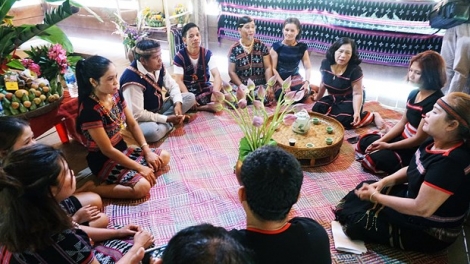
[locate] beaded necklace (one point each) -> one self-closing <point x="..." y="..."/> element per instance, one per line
<point x="249" y="56"/>
<point x="113" y="115"/>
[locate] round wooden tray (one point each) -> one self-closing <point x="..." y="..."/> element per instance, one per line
<point x="311" y="148"/>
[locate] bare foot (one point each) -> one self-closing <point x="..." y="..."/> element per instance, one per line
<point x="378" y="120"/>
<point x="88" y="186"/>
<point x="206" y="108"/>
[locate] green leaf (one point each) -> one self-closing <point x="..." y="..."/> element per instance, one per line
<point x="72" y="60"/>
<point x="5" y="7"/>
<point x="13" y="37"/>
<point x="15" y="64"/>
<point x="55" y="35"/>
<point x="244" y="149"/>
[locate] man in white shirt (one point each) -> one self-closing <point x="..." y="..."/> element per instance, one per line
<point x="142" y="85"/>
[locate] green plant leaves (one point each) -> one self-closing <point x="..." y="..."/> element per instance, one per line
<point x="5" y="7"/>
<point x="55" y="35"/>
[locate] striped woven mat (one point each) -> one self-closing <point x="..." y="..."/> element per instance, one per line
<point x="200" y="187"/>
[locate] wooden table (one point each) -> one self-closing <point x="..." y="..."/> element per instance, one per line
<point x="310" y="148"/>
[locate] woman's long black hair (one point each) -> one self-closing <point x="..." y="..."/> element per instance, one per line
<point x="94" y="68"/>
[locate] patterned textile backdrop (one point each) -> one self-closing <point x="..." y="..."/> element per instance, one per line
<point x="386" y="32"/>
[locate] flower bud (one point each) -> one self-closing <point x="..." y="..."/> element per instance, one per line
<point x="286" y="84"/>
<point x="217" y="107"/>
<point x="257" y="104"/>
<point x="257" y="121"/>
<point x="219" y="97"/>
<point x="240" y="94"/>
<point x="289" y="119"/>
<point x="299" y="95"/>
<point x="250" y="85"/>
<point x="230" y="97"/>
<point x="298" y="107"/>
<point x="289" y="97"/>
<point x="227" y="87"/>
<point x="261" y="92"/>
<point x="242" y="104"/>
<point x="272" y="81"/>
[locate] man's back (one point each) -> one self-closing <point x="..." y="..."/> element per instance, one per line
<point x="301" y="240"/>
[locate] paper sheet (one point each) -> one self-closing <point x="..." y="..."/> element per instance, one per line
<point x="344" y="243"/>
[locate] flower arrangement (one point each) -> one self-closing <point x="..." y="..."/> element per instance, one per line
<point x="152" y="18"/>
<point x="256" y="124"/>
<point x="130" y="35"/>
<point x="50" y="62"/>
<point x="180" y="9"/>
<point x="32" y="66"/>
<point x="13" y="36"/>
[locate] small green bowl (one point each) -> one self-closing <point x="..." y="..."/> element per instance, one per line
<point x="329" y="141"/>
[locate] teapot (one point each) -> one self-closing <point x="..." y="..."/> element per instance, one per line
<point x="301" y="124"/>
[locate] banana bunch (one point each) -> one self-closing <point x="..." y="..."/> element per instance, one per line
<point x="31" y="95"/>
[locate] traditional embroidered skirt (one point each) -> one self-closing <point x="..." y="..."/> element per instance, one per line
<point x="375" y="223"/>
<point x="114" y="173"/>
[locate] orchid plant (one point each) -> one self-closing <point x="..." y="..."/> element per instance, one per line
<point x="257" y="124"/>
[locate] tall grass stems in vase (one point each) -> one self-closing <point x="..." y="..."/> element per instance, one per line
<point x="257" y="125"/>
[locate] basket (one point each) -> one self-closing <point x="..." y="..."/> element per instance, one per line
<point x="41" y="110"/>
<point x="311" y="148"/>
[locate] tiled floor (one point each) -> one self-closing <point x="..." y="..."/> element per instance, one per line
<point x="385" y="84"/>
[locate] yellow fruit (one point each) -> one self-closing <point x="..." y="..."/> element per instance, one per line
<point x="42" y="97"/>
<point x="45" y="89"/>
<point x="34" y="85"/>
<point x="37" y="93"/>
<point x="51" y="98"/>
<point x="27" y="104"/>
<point x="42" y="84"/>
<point x="9" y="96"/>
<point x="37" y="100"/>
<point x="2" y="95"/>
<point x="20" y="92"/>
<point x="56" y="96"/>
<point x="15" y="105"/>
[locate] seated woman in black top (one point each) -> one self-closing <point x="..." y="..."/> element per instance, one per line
<point x="421" y="207"/>
<point x="342" y="78"/>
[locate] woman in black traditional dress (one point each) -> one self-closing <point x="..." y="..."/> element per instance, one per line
<point x="342" y="78"/>
<point x="420" y="207"/>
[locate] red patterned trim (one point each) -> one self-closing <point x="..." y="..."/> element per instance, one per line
<point x="269" y="232"/>
<point x="438" y="188"/>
